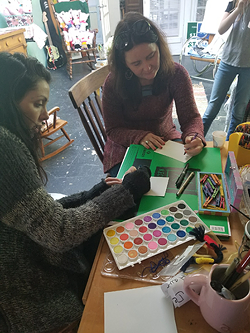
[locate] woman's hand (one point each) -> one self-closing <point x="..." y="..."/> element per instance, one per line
<point x="193" y="147"/>
<point x="113" y="180"/>
<point x="242" y="4"/>
<point x="152" y="141"/>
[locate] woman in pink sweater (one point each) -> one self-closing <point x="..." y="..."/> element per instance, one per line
<point x="139" y="92"/>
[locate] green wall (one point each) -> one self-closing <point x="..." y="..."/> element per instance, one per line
<point x="32" y="48"/>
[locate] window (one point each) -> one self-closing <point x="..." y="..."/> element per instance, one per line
<point x="201" y="6"/>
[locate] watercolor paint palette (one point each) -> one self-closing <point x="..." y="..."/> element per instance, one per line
<point x="146" y="235"/>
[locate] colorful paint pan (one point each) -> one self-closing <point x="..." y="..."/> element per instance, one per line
<point x="138" y="222"/>
<point x="170" y="218"/>
<point x="161" y="222"/>
<point x="138" y="241"/>
<point x="133" y="233"/>
<point x="118" y="249"/>
<point x="153" y="246"/>
<point x="147" y="219"/>
<point x="151" y="233"/>
<point x="122" y="259"/>
<point x="156" y="216"/>
<point x="147" y="237"/>
<point x="129" y="226"/>
<point x="114" y="241"/>
<point x="124" y="237"/>
<point x="128" y="245"/>
<point x="132" y="254"/>
<point x="110" y="233"/>
<point x="119" y="230"/>
<point x="162" y="242"/>
<point x="143" y="250"/>
<point x="157" y="233"/>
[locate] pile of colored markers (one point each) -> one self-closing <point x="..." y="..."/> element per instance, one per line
<point x="213" y="190"/>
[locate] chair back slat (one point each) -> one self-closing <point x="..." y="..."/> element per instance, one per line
<point x="90" y="133"/>
<point x="95" y="108"/>
<point x="87" y="101"/>
<point x="94" y="120"/>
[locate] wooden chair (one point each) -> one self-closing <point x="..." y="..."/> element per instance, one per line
<point x="85" y="96"/>
<point x="87" y="55"/>
<point x="48" y="131"/>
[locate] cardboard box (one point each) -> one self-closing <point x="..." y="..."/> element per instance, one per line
<point x="233" y="181"/>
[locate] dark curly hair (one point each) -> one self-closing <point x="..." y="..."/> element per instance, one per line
<point x="18" y="75"/>
<point x="131" y="90"/>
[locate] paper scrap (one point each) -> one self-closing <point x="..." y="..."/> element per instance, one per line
<point x="136" y="310"/>
<point x="158" y="186"/>
<point x="174" y="288"/>
<point x="174" y="150"/>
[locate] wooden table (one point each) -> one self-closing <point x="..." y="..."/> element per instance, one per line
<point x="188" y="317"/>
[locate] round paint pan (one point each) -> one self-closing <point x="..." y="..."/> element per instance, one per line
<point x="147" y="238"/>
<point x="172" y="239"/>
<point x="128" y="245"/>
<point x="162" y="242"/>
<point x="124" y="237"/>
<point x="138" y="223"/>
<point x="153" y="246"/>
<point x="110" y="233"/>
<point x="122" y="259"/>
<point x="143" y="250"/>
<point x="156" y="216"/>
<point x="138" y="241"/>
<point x="133" y="233"/>
<point x="118" y="249"/>
<point x="161" y="223"/>
<point x="157" y="234"/>
<point x="181" y="234"/>
<point x="119" y="230"/>
<point x="114" y="241"/>
<point x="129" y="226"/>
<point x="133" y="255"/>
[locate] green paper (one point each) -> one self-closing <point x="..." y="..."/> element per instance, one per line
<point x="209" y="160"/>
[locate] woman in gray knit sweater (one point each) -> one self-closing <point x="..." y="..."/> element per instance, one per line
<point x="46" y="246"/>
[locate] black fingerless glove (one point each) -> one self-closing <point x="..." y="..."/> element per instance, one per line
<point x="138" y="182"/>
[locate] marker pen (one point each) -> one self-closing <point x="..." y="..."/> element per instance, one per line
<point x="185" y="184"/>
<point x="238" y="271"/>
<point x="182" y="175"/>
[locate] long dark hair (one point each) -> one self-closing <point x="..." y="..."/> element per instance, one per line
<point x="131" y="89"/>
<point x="18" y="75"/>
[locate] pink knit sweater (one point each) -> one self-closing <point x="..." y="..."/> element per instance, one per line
<point x="126" y="126"/>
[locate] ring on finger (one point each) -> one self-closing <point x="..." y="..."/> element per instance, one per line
<point x="146" y="142"/>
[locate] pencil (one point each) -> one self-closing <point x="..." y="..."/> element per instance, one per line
<point x="194" y="137"/>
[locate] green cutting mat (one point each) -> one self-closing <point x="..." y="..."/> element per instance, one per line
<point x="209" y="160"/>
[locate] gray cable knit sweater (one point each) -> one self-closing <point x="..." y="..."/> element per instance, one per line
<point x="41" y="241"/>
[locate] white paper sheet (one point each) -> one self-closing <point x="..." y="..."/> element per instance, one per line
<point x="174" y="150"/>
<point x="158" y="186"/>
<point x="138" y="310"/>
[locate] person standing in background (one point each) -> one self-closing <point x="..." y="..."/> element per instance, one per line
<point x="235" y="60"/>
